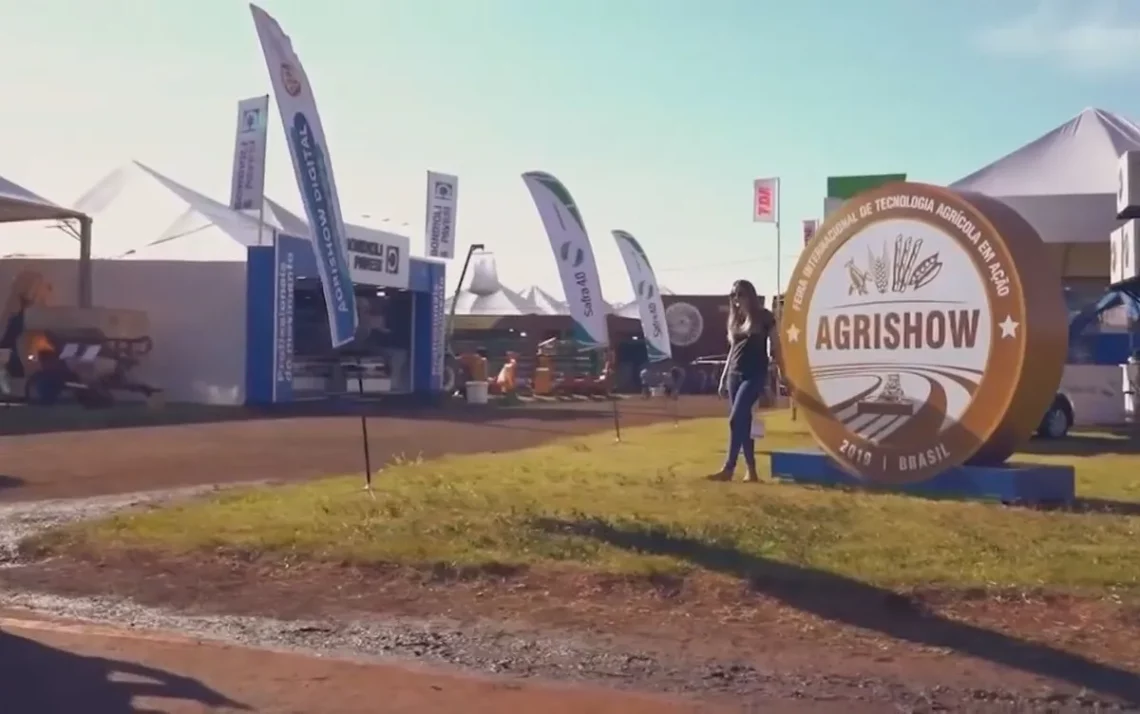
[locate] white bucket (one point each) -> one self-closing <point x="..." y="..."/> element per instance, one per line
<point x="476" y="392"/>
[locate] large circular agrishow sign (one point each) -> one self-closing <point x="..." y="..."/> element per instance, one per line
<point x="908" y="329"/>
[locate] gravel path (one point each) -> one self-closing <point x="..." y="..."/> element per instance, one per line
<point x="507" y="649"/>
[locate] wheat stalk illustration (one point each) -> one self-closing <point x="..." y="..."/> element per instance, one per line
<point x="879" y="270"/>
<point x="906" y="253"/>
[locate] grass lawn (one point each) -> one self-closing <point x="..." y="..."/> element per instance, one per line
<point x="643" y="506"/>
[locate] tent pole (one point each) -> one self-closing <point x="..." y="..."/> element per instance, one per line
<point x="450" y="326"/>
<point x="85" y="292"/>
<point x="261" y="220"/>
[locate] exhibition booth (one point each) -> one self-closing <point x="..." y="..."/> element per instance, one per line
<point x="230" y="307"/>
<point x="399" y="343"/>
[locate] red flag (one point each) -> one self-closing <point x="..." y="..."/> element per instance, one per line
<point x="810" y="227"/>
<point x="765" y="200"/>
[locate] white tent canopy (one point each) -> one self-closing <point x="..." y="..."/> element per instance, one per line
<point x="485" y="295"/>
<point x="630" y="309"/>
<point x="19" y="204"/>
<point x="551" y="305"/>
<point x="547" y="303"/>
<point x="1065" y="181"/>
<point x="141" y="214"/>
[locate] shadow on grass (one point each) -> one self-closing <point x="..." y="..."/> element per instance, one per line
<point x="1122" y="441"/>
<point x="1096" y="506"/>
<point x="851" y="602"/>
<point x="37" y="678"/>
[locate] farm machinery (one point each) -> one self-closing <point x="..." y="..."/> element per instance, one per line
<point x="50" y="352"/>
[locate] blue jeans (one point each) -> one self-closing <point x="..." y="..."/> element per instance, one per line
<point x="742" y="395"/>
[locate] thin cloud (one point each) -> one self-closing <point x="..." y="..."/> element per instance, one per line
<point x="1094" y="38"/>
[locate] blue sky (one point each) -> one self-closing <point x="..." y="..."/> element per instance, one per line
<point x="657" y="114"/>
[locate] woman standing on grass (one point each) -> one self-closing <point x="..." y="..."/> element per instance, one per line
<point x="750" y="327"/>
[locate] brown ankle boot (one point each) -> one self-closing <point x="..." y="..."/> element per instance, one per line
<point x="722" y="475"/>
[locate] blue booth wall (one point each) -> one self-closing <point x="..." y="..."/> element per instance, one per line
<point x="271" y="276"/>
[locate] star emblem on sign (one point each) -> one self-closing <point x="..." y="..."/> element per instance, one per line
<point x="1009" y="328"/>
<point x="793" y="334"/>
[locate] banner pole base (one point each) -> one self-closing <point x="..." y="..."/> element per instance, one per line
<point x="364" y="429"/>
<point x="617" y="419"/>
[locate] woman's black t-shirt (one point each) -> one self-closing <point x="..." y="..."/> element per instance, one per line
<point x="748" y="353"/>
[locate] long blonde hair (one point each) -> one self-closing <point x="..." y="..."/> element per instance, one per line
<point x="744" y="309"/>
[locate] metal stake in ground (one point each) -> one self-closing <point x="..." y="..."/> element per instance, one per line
<point x="364" y="427"/>
<point x="617" y="418"/>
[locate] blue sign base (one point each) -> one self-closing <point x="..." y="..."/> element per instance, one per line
<point x="1010" y="483"/>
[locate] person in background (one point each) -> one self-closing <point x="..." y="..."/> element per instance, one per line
<point x="750" y="328"/>
<point x="676" y="380"/>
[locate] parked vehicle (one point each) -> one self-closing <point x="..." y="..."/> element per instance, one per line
<point x="1092" y="388"/>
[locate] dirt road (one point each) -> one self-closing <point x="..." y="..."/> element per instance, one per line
<point x="54" y="667"/>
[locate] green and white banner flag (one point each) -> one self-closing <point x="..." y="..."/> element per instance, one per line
<point x="648" y="296"/>
<point x="576" y="265"/>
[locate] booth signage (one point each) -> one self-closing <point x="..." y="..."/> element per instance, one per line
<point x="442" y="202"/>
<point x="286" y="251"/>
<point x="438" y="329"/>
<point x="908" y="330"/>
<point x="312" y="167"/>
<point x="247" y="180"/>
<point x="383" y="264"/>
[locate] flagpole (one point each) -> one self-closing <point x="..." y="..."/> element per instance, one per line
<point x="779" y="248"/>
<point x="779" y="298"/>
<point x="264" y="154"/>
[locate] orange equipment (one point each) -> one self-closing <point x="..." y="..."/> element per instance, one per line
<point x="29" y="289"/>
<point x="543" y="376"/>
<point x="505" y="382"/>
<point x="475" y="365"/>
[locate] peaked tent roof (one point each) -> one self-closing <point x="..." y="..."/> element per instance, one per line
<point x="551" y="305"/>
<point x="547" y="303"/>
<point x="142" y="214"/>
<point x="1064" y="182"/>
<point x="19" y="204"/>
<point x="630" y="309"/>
<point x="485" y="295"/>
<point x="1078" y="157"/>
